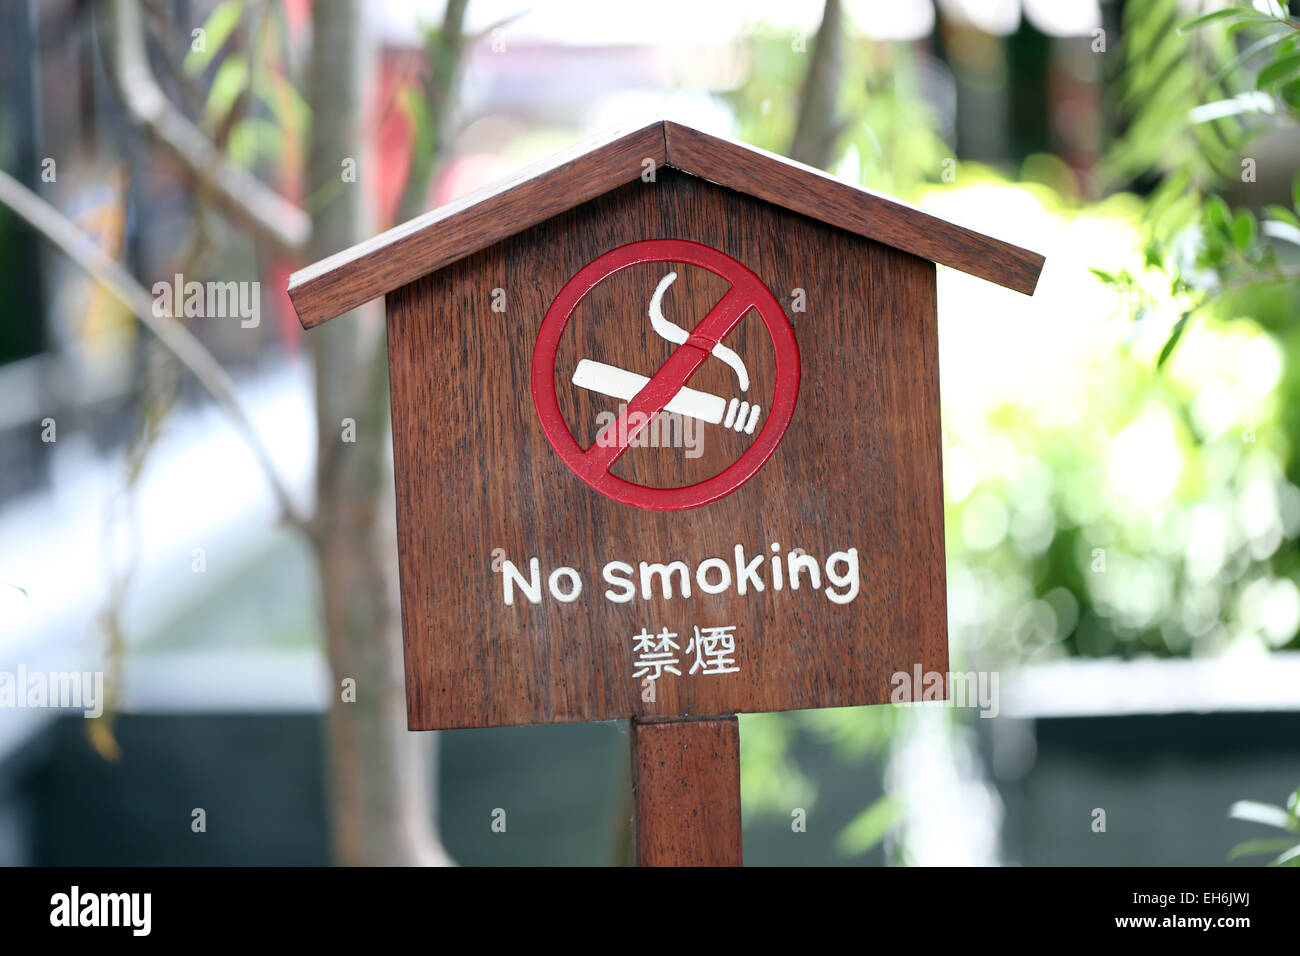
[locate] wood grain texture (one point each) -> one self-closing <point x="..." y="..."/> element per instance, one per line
<point x="379" y="265"/>
<point x="686" y="782"/>
<point x="477" y="481"/>
<point x="376" y="267"/>
<point x="812" y="192"/>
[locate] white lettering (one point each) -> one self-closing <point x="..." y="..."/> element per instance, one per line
<point x="575" y="585"/>
<point x="848" y="580"/>
<point x="532" y="588"/>
<point x="664" y="572"/>
<point x="627" y="588"/>
<point x="745" y="572"/>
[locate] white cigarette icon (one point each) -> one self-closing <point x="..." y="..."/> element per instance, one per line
<point x="619" y="383"/>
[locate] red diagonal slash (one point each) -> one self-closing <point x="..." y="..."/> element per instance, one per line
<point x="665" y="383"/>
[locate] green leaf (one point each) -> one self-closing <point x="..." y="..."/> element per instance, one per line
<point x="1171" y="343"/>
<point x="1284" y="214"/>
<point x="1219" y="216"/>
<point x="1247" y="23"/>
<point x="416" y="110"/>
<point x="1289" y="857"/>
<point x="1257" y="847"/>
<point x="1295" y="194"/>
<point x="1249" y="18"/>
<point x="1208" y="17"/>
<point x="253" y="137"/>
<point x="870" y="826"/>
<point x="227" y="85"/>
<point x="285" y="103"/>
<point x="217" y="28"/>
<point x="1107" y="277"/>
<point x="1153" y="256"/>
<point x="1247" y="54"/>
<point x="1290" y="93"/>
<point x="1244" y="230"/>
<point x="1284" y="67"/>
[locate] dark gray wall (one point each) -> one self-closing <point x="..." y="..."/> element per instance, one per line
<point x="1165" y="783"/>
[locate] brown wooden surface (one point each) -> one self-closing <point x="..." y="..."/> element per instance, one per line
<point x="562" y="182"/>
<point x="859" y="467"/>
<point x="686" y="781"/>
<point x="814" y="193"/>
<point x="379" y="265"/>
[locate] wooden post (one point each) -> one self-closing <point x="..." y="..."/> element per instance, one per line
<point x="686" y="780"/>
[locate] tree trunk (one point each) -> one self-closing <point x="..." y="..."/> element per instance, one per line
<point x="818" y="127"/>
<point x="380" y="773"/>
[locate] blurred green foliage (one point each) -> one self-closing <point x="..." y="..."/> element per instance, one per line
<point x="250" y="106"/>
<point x="1106" y="494"/>
<point x="1204" y="97"/>
<point x="1197" y="95"/>
<point x="1099" y="504"/>
<point x="1208" y="100"/>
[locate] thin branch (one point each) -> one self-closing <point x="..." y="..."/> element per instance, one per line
<point x="106" y="270"/>
<point x="239" y="195"/>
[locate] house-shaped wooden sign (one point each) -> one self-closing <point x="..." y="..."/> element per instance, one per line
<point x="667" y="444"/>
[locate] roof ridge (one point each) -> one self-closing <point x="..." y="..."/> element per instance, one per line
<point x="353" y="276"/>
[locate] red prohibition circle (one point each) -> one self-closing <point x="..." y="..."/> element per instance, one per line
<point x="747" y="291"/>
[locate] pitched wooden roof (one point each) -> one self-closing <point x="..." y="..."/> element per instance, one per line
<point x="425" y="244"/>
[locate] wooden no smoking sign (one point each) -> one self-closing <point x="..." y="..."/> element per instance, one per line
<point x="689" y="466"/>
